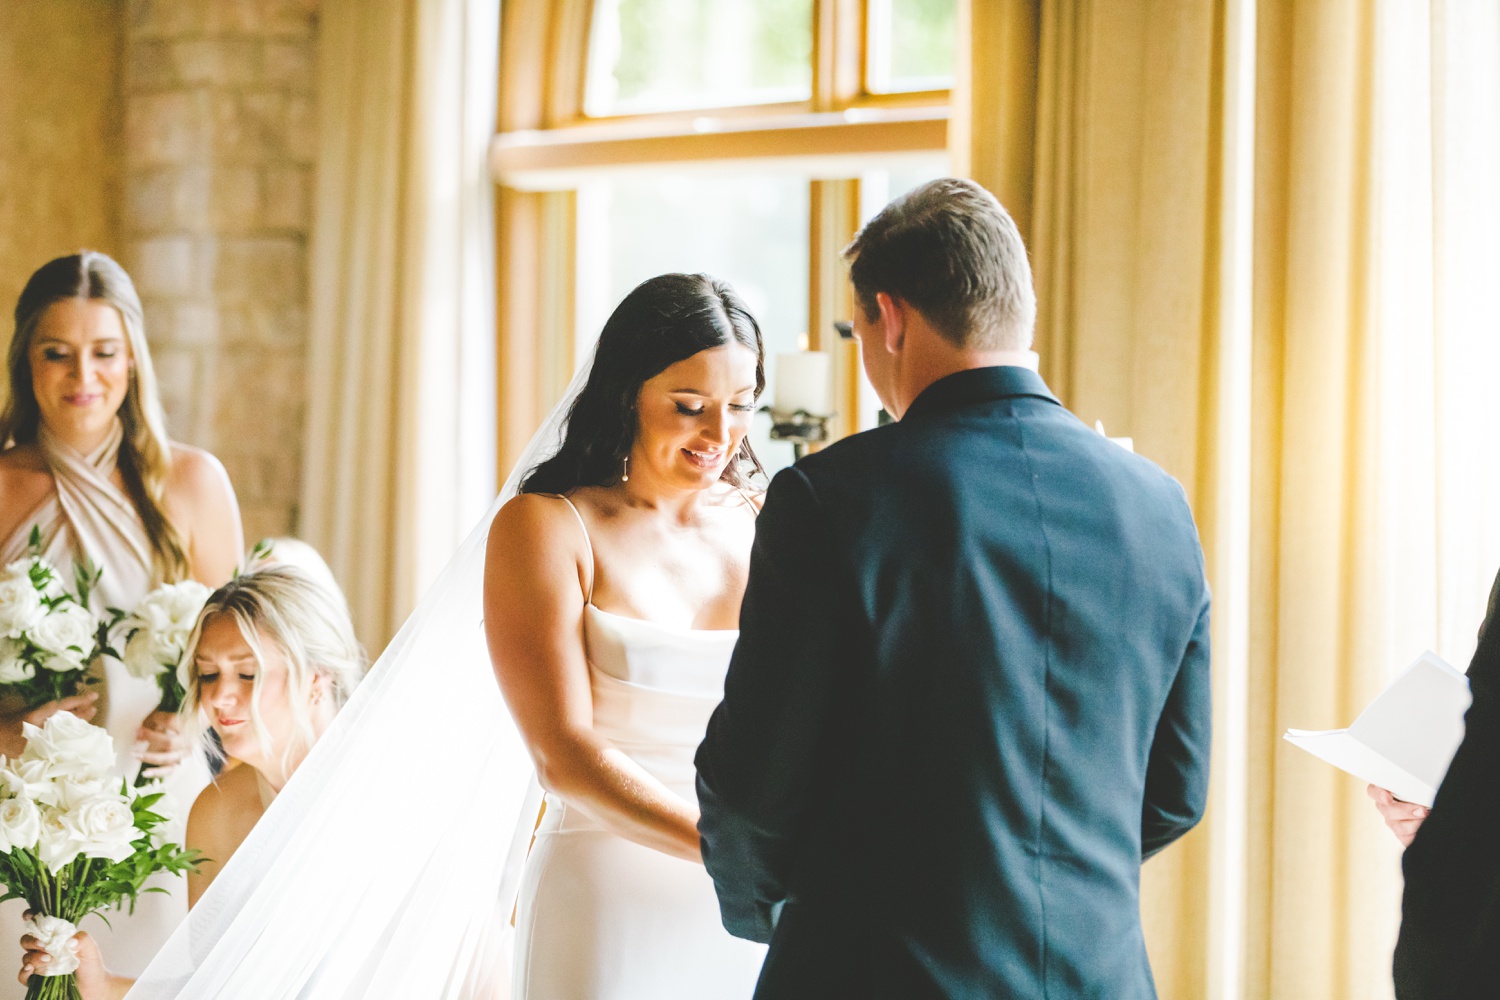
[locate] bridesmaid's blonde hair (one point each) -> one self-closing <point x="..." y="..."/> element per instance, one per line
<point x="145" y="454"/>
<point x="309" y="623"/>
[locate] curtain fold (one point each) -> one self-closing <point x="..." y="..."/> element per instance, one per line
<point x="1262" y="236"/>
<point x="400" y="429"/>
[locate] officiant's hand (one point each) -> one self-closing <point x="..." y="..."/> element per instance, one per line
<point x="1404" y="818"/>
<point x="165" y="747"/>
<point x="13" y="737"/>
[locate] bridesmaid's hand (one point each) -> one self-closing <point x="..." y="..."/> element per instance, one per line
<point x="13" y="737"/>
<point x="165" y="748"/>
<point x="1404" y="818"/>
<point x="94" y="981"/>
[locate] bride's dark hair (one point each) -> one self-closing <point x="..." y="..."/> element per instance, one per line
<point x="662" y="321"/>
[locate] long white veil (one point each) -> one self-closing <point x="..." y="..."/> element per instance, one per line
<point x="389" y="865"/>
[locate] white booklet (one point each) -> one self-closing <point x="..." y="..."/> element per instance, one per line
<point x="1406" y="738"/>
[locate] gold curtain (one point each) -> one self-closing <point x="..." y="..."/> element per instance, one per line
<point x="1260" y="232"/>
<point x="400" y="428"/>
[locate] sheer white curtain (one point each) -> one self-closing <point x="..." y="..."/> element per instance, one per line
<point x="400" y="430"/>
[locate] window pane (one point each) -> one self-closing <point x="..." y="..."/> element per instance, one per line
<point x="662" y="55"/>
<point x="750" y="230"/>
<point x="911" y="45"/>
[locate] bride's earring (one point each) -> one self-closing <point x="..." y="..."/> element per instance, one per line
<point x="625" y="476"/>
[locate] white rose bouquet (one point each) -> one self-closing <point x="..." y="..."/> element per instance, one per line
<point x="48" y="636"/>
<point x="151" y="639"/>
<point x="71" y="843"/>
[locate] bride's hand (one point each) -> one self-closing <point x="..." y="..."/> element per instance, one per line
<point x="166" y="747"/>
<point x="1404" y="818"/>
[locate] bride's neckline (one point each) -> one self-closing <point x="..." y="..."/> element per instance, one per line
<point x="705" y="632"/>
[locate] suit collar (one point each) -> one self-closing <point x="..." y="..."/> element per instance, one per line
<point x="977" y="385"/>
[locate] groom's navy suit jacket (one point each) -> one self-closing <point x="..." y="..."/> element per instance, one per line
<point x="970" y="695"/>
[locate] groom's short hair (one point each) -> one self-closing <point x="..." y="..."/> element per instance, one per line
<point x="951" y="251"/>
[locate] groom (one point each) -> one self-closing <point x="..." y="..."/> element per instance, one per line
<point x="971" y="690"/>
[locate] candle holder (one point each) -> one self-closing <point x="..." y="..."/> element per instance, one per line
<point x="799" y="427"/>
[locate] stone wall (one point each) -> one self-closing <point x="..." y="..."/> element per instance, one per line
<point x="59" y="135"/>
<point x="219" y="140"/>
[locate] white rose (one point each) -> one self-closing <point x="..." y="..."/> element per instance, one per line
<point x="68" y="793"/>
<point x="20" y="605"/>
<point x="13" y="669"/>
<point x="159" y="627"/>
<point x="57" y="846"/>
<point x="67" y="633"/>
<point x="183" y="601"/>
<point x="103" y="827"/>
<point x="29" y="779"/>
<point x="141" y="655"/>
<point x="53" y="587"/>
<point x="56" y="937"/>
<point x="71" y="748"/>
<point x="20" y="823"/>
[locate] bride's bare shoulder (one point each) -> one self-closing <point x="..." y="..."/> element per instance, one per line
<point x="534" y="520"/>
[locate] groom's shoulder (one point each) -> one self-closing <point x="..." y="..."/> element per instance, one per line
<point x="848" y="455"/>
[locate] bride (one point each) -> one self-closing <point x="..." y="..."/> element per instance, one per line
<point x="406" y="858"/>
<point x="612" y="594"/>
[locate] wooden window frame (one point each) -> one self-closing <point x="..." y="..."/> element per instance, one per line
<point x="546" y="146"/>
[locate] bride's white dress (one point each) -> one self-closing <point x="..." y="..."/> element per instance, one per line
<point x="392" y="865"/>
<point x="604" y="918"/>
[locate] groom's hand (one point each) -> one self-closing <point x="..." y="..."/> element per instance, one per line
<point x="1404" y="818"/>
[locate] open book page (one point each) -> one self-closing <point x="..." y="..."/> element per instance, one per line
<point x="1405" y="739"/>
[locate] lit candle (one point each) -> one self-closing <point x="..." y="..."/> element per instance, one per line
<point x="802" y="383"/>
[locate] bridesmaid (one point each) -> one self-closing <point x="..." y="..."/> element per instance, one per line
<point x="268" y="702"/>
<point x="88" y="463"/>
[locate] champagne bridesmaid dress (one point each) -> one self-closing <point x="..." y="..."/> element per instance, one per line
<point x="89" y="518"/>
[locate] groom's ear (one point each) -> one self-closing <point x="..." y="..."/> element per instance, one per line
<point x="892" y="321"/>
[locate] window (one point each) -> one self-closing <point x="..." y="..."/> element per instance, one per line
<point x="750" y="230"/>
<point x="910" y="45"/>
<point x="668" y="55"/>
<point x="745" y="138"/>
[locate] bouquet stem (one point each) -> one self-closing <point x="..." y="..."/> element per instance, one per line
<point x="53" y="988"/>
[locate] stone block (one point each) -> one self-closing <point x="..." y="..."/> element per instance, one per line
<point x="251" y="127"/>
<point x="176" y="323"/>
<point x="261" y="325"/>
<point x="177" y="383"/>
<point x="290" y="64"/>
<point x="149" y="65"/>
<point x="287" y="198"/>
<point x="166" y="199"/>
<point x="268" y="520"/>
<point x="267" y="476"/>
<point x="270" y="270"/>
<point x="236" y="200"/>
<point x="195" y="323"/>
<point x="168" y="128"/>
<point x="260" y="399"/>
<point x="282" y="18"/>
<point x="170" y="266"/>
<point x="168" y="18"/>
<point x="222" y="62"/>
<point x="159" y="318"/>
<point x="302" y="129"/>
